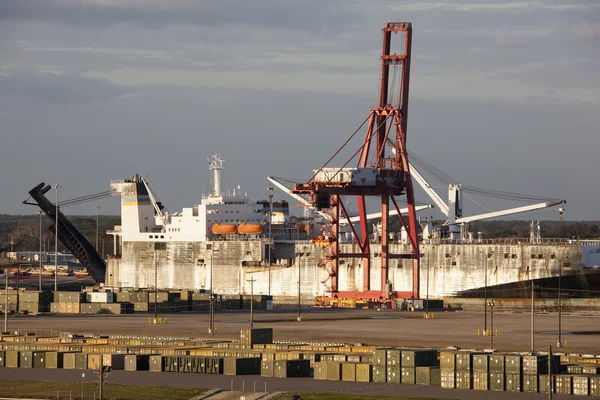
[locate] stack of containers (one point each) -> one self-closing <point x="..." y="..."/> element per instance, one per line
<point x="252" y="336"/>
<point x="13" y="300"/>
<point x="594" y="385"/>
<point x="564" y="384"/>
<point x="394" y="372"/>
<point x="448" y="367"/>
<point x="513" y="367"/>
<point x="497" y="372"/>
<point x="67" y="302"/>
<point x="34" y="301"/>
<point x="139" y="300"/>
<point x="481" y="372"/>
<point x="581" y="385"/>
<point x="411" y="359"/>
<point x="380" y="365"/>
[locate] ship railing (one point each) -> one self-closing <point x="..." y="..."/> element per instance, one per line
<point x="511" y="241"/>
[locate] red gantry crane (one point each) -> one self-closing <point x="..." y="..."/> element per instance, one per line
<point x="375" y="175"/>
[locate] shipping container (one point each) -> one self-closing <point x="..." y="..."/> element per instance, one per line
<point x="12" y="359"/>
<point x="115" y="361"/>
<point x="464" y="361"/>
<point x="481" y="380"/>
<point x="100" y="297"/>
<point x="590" y="369"/>
<point x="116" y="308"/>
<point x="380" y="357"/>
<point x="394" y="374"/>
<point x="428" y="376"/>
<point x="419" y="358"/>
<point x="447" y="379"/>
<point x="364" y="372"/>
<point x="94" y="361"/>
<point x="89" y="308"/>
<point x="69" y="297"/>
<point x="379" y="373"/>
<point x="251" y="336"/>
<point x="1" y="359"/>
<point x="481" y="362"/>
<point x="393" y="357"/>
<point x="349" y="372"/>
<point x="513" y="363"/>
<point x="538" y="364"/>
<point x="81" y="360"/>
<point x="463" y="380"/>
<point x="594" y="385"/>
<point x="293" y="368"/>
<point x="408" y="374"/>
<point x="69" y="360"/>
<point x="564" y="384"/>
<point x="448" y="360"/>
<point x="267" y="368"/>
<point x="26" y="359"/>
<point x="39" y="359"/>
<point x="242" y="366"/>
<point x="513" y="382"/>
<point x="140" y="306"/>
<point x="137" y="362"/>
<point x="530" y="383"/>
<point x="156" y="364"/>
<point x="544" y="383"/>
<point x="334" y="371"/>
<point x="497" y="381"/>
<point x="581" y="385"/>
<point x="496" y="363"/>
<point x="319" y="371"/>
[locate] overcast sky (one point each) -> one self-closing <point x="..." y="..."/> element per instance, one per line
<point x="504" y="94"/>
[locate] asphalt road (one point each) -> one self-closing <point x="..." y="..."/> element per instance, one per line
<point x="389" y="328"/>
<point x="247" y="383"/>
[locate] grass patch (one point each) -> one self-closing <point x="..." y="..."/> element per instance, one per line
<point x="340" y="396"/>
<point x="72" y="390"/>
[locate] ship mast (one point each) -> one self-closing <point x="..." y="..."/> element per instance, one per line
<point x="216" y="166"/>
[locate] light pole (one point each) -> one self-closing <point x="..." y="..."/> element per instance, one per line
<point x="155" y="285"/>
<point x="213" y="298"/>
<point x="491" y="305"/>
<point x="40" y="212"/>
<point x="299" y="316"/>
<point x="82" y="378"/>
<point x="427" y="291"/>
<point x="251" y="301"/>
<point x="6" y="301"/>
<point x="487" y="257"/>
<point x="532" y="317"/>
<point x="270" y="190"/>
<point x="57" y="187"/>
<point x="97" y="209"/>
<point x="560" y="267"/>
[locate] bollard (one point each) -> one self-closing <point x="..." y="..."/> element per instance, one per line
<point x="231" y="386"/>
<point x="254" y="386"/>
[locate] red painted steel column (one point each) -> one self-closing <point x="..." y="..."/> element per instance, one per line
<point x="385" y="203"/>
<point x="335" y="244"/>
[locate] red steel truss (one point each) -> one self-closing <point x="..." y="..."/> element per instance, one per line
<point x="393" y="178"/>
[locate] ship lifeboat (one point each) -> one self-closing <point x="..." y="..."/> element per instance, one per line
<point x="250" y="229"/>
<point x="224" y="229"/>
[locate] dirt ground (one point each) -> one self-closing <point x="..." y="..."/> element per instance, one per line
<point x="581" y="332"/>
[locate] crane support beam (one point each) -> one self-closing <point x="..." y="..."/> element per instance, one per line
<point x="510" y="211"/>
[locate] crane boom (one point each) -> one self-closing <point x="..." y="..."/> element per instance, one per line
<point x="509" y="211"/>
<point x="152" y="198"/>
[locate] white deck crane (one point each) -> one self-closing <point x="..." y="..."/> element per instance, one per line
<point x="453" y="209"/>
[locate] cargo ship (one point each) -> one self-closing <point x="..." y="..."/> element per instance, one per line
<point x="228" y="241"/>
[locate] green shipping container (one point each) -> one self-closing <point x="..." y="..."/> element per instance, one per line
<point x="481" y="362"/>
<point x="156" y="364"/>
<point x="242" y="366"/>
<point x="481" y="380"/>
<point x="544" y="383"/>
<point x="379" y="373"/>
<point x="81" y="360"/>
<point x="513" y="382"/>
<point x="364" y="372"/>
<point x="419" y="358"/>
<point x="394" y="374"/>
<point x="530" y="383"/>
<point x="393" y="357"/>
<point x="448" y="379"/>
<point x="319" y="371"/>
<point x="39" y="359"/>
<point x="428" y="376"/>
<point x="590" y="369"/>
<point x="334" y="371"/>
<point x="497" y="381"/>
<point x="564" y="384"/>
<point x="464" y="361"/>
<point x="26" y="359"/>
<point x="408" y="375"/>
<point x="497" y="363"/>
<point x="267" y="369"/>
<point x="513" y="364"/>
<point x="380" y="357"/>
<point x="349" y="372"/>
<point x="463" y="380"/>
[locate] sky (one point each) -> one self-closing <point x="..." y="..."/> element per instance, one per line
<point x="504" y="95"/>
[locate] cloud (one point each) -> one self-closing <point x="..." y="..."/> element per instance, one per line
<point x="586" y="31"/>
<point x="59" y="88"/>
<point x="313" y="15"/>
<point x="496" y="6"/>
